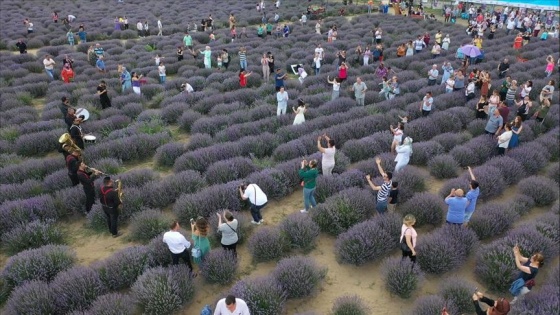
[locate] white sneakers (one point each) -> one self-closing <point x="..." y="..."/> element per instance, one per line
<point x="303" y="211"/>
<point x="257" y="223"/>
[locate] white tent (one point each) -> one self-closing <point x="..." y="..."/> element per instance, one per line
<point x="547" y="5"/>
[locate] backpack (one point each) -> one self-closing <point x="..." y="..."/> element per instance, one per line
<point x="206" y="310"/>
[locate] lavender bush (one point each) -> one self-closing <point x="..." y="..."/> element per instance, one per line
<point x="42" y="264"/>
<point x="364" y="242"/>
<point x="299" y="276"/>
<point x="75" y="289"/>
<point x="350" y="305"/>
<point x="411" y="180"/>
<point x="16" y="212"/>
<point x="426" y="207"/>
<point x="432" y="304"/>
<point x="147" y="224"/>
<point x="445" y="248"/>
<point x="443" y="166"/>
<point x="122" y="269"/>
<point x="274" y="183"/>
<point x="545" y="301"/>
<point x="263" y="295"/>
<point x="554" y="172"/>
<point x="544" y="191"/>
<point x="32" y="235"/>
<point x="301" y="231"/>
<point x="522" y="204"/>
<point x="268" y="243"/>
<point x="166" y="191"/>
<point x="425" y="151"/>
<point x="449" y="140"/>
<point x="227" y="170"/>
<point x="458" y="292"/>
<point x="163" y="290"/>
<point x="492" y="219"/>
<point x="219" y="266"/>
<point x="531" y="157"/>
<point x="112" y="304"/>
<point x="511" y="170"/>
<point x="343" y="210"/>
<point x="207" y="201"/>
<point x="33" y="297"/>
<point x="401" y="276"/>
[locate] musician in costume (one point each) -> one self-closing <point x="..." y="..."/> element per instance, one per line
<point x="66" y="145"/>
<point x="77" y="133"/>
<point x="73" y="161"/>
<point x="87" y="179"/>
<point x="69" y="118"/>
<point x="111" y="203"/>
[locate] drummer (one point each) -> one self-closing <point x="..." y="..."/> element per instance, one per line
<point x="77" y="133"/>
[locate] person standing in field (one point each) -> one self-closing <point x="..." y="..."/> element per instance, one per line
<point x="328" y="154"/>
<point x="359" y="88"/>
<point x="472" y="197"/>
<point x="178" y="245"/>
<point x="457" y="204"/>
<point x="160" y="28"/>
<point x="383" y="190"/>
<point x="282" y="98"/>
<point x="308" y="174"/>
<point x="207" y="57"/>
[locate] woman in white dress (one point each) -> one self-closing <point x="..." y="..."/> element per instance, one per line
<point x="328" y="153"/>
<point x="300" y="117"/>
<point x="446" y="42"/>
<point x="404" y="152"/>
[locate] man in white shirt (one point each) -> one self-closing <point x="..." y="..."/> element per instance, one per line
<point x="256" y="197"/>
<point x="178" y="245"/>
<point x="282" y="98"/>
<point x="187" y="88"/>
<point x="319" y="50"/>
<point x="426" y="106"/>
<point x="303" y="19"/>
<point x="433" y="75"/>
<point x="140" y="28"/>
<point x="49" y="63"/>
<point x="160" y="28"/>
<point x="231" y="306"/>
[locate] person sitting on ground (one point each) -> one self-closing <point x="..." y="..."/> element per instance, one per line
<point x="498" y="307"/>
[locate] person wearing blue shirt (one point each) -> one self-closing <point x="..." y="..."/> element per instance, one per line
<point x="279" y="79"/>
<point x="457" y="204"/>
<point x="472" y="197"/>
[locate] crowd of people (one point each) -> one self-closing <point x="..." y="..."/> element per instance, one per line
<point x="494" y="105"/>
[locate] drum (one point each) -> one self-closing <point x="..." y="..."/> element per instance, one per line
<point x="89" y="139"/>
<point x="82" y="112"/>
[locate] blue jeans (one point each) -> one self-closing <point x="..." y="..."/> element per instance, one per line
<point x="381" y="206"/>
<point x="162" y="79"/>
<point x="317" y="71"/>
<point x="50" y="73"/>
<point x="243" y="64"/>
<point x="256" y="212"/>
<point x="309" y="198"/>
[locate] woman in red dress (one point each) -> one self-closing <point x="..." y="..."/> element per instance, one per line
<point x="67" y="73"/>
<point x="518" y="42"/>
<point x="243" y="78"/>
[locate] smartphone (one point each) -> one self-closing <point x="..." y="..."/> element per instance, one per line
<point x="192" y="221"/>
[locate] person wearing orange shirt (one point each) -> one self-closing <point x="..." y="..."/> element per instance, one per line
<point x="67" y="74"/>
<point x="518" y="42"/>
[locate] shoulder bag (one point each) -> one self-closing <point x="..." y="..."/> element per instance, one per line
<point x="403" y="244"/>
<point x="196" y="252"/>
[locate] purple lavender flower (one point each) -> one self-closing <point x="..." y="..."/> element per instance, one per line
<point x="263" y="295"/>
<point x="299" y="276"/>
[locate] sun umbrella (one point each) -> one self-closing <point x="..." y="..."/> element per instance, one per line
<point x="471" y="51"/>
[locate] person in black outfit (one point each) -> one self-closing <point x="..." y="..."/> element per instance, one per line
<point x="77" y="133"/>
<point x="69" y="117"/>
<point x="22" y="46"/>
<point x="111" y="203"/>
<point x="73" y="161"/>
<point x="87" y="180"/>
<point x="503" y="68"/>
<point x="64" y="106"/>
<point x="498" y="307"/>
<point x="103" y="97"/>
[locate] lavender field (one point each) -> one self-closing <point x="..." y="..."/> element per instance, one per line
<point x="183" y="155"/>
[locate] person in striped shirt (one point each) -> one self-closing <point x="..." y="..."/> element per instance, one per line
<point x="383" y="190"/>
<point x="243" y="57"/>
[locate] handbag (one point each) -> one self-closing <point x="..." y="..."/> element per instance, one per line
<point x="196" y="252"/>
<point x="403" y="244"/>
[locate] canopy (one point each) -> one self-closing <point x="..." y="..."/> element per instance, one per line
<point x="549" y="5"/>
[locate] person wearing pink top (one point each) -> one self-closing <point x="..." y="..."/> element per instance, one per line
<point x="408" y="237"/>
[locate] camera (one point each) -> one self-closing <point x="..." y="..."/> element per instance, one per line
<point x="192" y="220"/>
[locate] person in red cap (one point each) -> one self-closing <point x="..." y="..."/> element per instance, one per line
<point x="498" y="307"/>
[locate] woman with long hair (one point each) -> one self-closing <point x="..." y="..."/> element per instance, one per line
<point x="200" y="230"/>
<point x="404" y="152"/>
<point x="328" y="153"/>
<point x="136" y="83"/>
<point x="481" y="108"/>
<point x="517" y="127"/>
<point x="308" y="174"/>
<point x="528" y="267"/>
<point x="408" y="237"/>
<point x="549" y="65"/>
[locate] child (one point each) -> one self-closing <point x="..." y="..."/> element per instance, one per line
<point x="220" y="63"/>
<point x="212" y="36"/>
<point x="243" y="77"/>
<point x="393" y="197"/>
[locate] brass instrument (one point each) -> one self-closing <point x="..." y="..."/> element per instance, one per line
<point x="119" y="189"/>
<point x="68" y="144"/>
<point x="91" y="169"/>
